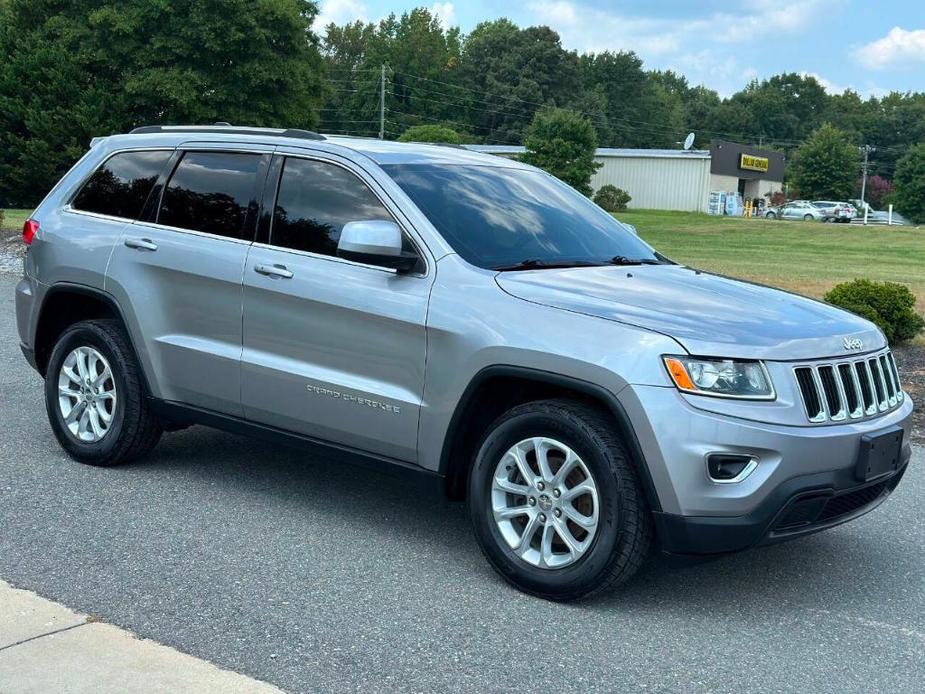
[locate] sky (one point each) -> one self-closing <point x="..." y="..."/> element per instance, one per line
<point x="871" y="46"/>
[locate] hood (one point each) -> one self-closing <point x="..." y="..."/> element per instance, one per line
<point x="708" y="314"/>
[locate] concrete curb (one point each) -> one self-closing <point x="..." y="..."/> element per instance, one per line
<point x="45" y="647"/>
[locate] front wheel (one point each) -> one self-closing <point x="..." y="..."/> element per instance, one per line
<point x="770" y="215"/>
<point x="95" y="398"/>
<point x="555" y="502"/>
<point x="807" y="218"/>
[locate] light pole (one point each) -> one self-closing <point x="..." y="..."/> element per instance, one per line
<point x="382" y="103"/>
<point x="866" y="149"/>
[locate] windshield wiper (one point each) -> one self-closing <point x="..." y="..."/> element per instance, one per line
<point x="623" y="260"/>
<point x="536" y="264"/>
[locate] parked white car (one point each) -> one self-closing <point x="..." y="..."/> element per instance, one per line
<point x="842" y="212"/>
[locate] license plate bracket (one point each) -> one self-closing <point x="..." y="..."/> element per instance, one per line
<point x="879" y="455"/>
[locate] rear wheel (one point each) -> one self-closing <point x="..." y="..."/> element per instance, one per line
<point x="94" y="396"/>
<point x="807" y="218"/>
<point x="555" y="502"/>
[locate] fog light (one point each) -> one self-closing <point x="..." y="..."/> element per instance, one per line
<point x="729" y="468"/>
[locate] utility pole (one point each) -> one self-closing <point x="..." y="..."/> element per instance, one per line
<point x="382" y="103"/>
<point x="866" y="149"/>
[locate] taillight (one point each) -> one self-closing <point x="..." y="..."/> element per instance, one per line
<point x="29" y="230"/>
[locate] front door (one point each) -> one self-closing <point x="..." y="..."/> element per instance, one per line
<point x="333" y="349"/>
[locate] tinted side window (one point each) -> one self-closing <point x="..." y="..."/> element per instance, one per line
<point x="121" y="185"/>
<point x="315" y="200"/>
<point x="211" y="192"/>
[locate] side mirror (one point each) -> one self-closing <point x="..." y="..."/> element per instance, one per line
<point x="375" y="242"/>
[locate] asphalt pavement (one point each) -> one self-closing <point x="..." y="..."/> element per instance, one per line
<point x="312" y="573"/>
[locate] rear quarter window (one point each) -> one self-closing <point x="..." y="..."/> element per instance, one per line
<point x="120" y="186"/>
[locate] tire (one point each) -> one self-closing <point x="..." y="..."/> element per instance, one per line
<point x="623" y="532"/>
<point x="770" y="215"/>
<point x="132" y="430"/>
<point x="807" y="218"/>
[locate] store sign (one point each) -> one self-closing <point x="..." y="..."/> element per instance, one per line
<point x="751" y="163"/>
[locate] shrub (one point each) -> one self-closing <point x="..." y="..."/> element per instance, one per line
<point x="778" y="199"/>
<point x="611" y="198"/>
<point x="430" y="133"/>
<point x="563" y="143"/>
<point x="1" y="219"/>
<point x="891" y="306"/>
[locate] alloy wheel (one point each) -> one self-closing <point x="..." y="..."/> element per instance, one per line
<point x="545" y="502"/>
<point x="87" y="394"/>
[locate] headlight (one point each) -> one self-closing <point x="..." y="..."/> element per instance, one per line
<point x="729" y="378"/>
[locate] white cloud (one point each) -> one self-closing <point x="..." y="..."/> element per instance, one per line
<point x="899" y="47"/>
<point x="445" y="12"/>
<point x="697" y="47"/>
<point x="340" y="12"/>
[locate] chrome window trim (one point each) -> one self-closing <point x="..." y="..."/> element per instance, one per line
<point x="336" y="259"/>
<point x="192" y="232"/>
<point x="415" y="242"/>
<point x="68" y="208"/>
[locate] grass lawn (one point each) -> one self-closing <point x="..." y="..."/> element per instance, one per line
<point x="14" y="219"/>
<point x="804" y="257"/>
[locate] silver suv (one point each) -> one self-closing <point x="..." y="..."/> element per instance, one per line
<point x="462" y="315"/>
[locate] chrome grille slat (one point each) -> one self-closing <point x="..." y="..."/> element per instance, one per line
<point x="895" y="373"/>
<point x="841" y="389"/>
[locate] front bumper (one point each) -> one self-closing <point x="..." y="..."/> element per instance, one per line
<point x="800" y="506"/>
<point x="804" y="481"/>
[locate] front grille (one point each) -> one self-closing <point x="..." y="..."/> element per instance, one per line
<point x="849" y="389"/>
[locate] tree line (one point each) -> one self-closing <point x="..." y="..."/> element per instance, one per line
<point x="74" y="69"/>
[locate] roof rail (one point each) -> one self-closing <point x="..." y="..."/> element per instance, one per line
<point x="229" y="129"/>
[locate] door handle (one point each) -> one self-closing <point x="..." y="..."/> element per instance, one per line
<point x="141" y="244"/>
<point x="278" y="271"/>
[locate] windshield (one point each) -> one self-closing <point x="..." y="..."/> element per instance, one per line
<point x="497" y="217"/>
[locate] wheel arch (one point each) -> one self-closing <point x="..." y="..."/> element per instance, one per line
<point x="63" y="305"/>
<point x="495" y="389"/>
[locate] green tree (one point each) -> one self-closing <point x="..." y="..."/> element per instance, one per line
<point x="420" y="58"/>
<point x="826" y="165"/>
<point x="909" y="194"/>
<point x="71" y="70"/>
<point x="563" y="143"/>
<point x="430" y="133"/>
<point x="509" y="73"/>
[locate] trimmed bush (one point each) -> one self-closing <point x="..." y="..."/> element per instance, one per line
<point x="888" y="304"/>
<point x="611" y="198"/>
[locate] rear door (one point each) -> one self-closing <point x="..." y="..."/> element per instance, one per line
<point x="178" y="273"/>
<point x="333" y="349"/>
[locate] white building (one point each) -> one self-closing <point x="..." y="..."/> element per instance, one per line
<point x="666" y="179"/>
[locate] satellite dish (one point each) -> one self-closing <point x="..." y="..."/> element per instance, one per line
<point x="689" y="141"/>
